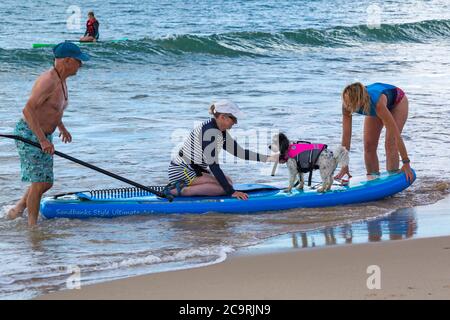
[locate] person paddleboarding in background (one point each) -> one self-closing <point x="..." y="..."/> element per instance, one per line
<point x="92" y="26"/>
<point x="384" y="105"/>
<point x="195" y="171"/>
<point x="41" y="116"/>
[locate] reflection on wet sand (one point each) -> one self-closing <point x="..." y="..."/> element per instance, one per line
<point x="399" y="225"/>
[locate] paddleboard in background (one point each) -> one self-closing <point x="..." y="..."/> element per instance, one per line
<point x="262" y="198"/>
<point x="50" y="45"/>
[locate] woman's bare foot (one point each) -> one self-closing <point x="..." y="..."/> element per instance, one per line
<point x="14" y="213"/>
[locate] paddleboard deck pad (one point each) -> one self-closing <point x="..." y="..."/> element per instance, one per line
<point x="111" y="203"/>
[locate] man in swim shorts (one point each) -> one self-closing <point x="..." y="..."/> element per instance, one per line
<point x="41" y="116"/>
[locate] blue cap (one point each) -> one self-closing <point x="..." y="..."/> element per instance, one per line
<point x="69" y="50"/>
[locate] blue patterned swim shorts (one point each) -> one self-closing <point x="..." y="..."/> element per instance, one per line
<point x="35" y="165"/>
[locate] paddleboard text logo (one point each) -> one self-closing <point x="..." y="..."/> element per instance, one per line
<point x="374" y="16"/>
<point x="74" y="20"/>
<point x="74" y="281"/>
<point x="374" y="281"/>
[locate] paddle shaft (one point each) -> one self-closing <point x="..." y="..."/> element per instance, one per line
<point x="88" y="165"/>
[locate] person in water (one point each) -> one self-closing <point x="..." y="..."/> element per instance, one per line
<point x="384" y="105"/>
<point x="92" y="25"/>
<point x="195" y="171"/>
<point x="41" y="116"/>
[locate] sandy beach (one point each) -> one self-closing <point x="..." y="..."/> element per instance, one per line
<point x="409" y="269"/>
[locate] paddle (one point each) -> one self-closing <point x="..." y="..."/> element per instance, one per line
<point x="90" y="166"/>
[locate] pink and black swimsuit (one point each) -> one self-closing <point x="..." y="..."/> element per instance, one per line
<point x="393" y="94"/>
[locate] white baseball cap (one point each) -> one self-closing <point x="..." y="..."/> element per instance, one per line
<point x="227" y="106"/>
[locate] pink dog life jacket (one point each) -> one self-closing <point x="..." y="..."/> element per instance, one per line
<point x="306" y="155"/>
<point x="296" y="148"/>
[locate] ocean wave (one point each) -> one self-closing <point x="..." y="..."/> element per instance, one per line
<point x="251" y="43"/>
<point x="256" y="44"/>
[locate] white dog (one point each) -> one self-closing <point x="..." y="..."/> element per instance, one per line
<point x="305" y="157"/>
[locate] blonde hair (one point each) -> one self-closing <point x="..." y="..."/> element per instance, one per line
<point x="357" y="98"/>
<point x="212" y="111"/>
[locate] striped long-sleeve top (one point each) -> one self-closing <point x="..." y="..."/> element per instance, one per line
<point x="203" y="146"/>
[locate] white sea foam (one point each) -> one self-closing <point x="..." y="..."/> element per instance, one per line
<point x="219" y="254"/>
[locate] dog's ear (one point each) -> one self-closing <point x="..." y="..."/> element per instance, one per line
<point x="283" y="141"/>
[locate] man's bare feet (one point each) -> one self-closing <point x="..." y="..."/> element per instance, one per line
<point x="14" y="213"/>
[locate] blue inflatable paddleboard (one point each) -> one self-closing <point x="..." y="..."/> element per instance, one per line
<point x="262" y="198"/>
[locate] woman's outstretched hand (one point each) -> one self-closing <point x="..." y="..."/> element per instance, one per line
<point x="273" y="157"/>
<point x="240" y="195"/>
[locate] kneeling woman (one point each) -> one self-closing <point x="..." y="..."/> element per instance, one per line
<point x="383" y="105"/>
<point x="188" y="171"/>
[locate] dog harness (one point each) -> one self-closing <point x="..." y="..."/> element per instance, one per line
<point x="305" y="155"/>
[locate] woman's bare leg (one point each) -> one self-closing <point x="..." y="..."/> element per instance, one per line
<point x="208" y="178"/>
<point x="372" y="131"/>
<point x="400" y="114"/>
<point x="206" y="185"/>
<point x="87" y="39"/>
<point x="205" y="189"/>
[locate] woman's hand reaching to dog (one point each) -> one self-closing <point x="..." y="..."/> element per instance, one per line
<point x="273" y="157"/>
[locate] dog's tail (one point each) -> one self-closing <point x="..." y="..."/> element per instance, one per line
<point x="341" y="156"/>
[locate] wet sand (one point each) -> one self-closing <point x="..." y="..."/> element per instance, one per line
<point x="409" y="269"/>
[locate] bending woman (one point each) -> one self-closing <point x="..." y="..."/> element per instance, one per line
<point x="384" y="105"/>
<point x="195" y="171"/>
